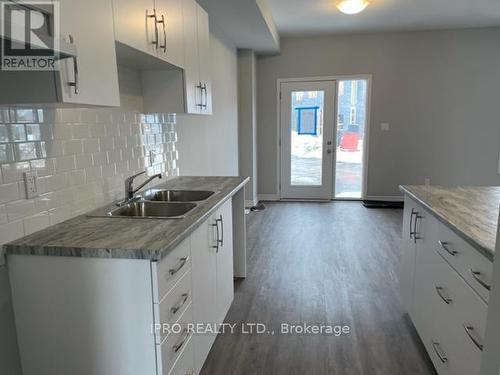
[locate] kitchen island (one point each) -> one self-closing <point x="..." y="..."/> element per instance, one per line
<point x="447" y="253"/>
<point x="100" y="295"/>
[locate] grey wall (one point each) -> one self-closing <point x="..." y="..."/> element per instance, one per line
<point x="208" y="145"/>
<point x="247" y="121"/>
<point x="438" y="90"/>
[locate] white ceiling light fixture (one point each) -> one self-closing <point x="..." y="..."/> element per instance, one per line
<point x="352" y="6"/>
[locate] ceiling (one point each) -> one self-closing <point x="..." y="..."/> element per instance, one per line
<point x="248" y="23"/>
<point x="301" y="17"/>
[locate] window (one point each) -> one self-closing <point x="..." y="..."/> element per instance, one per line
<point x="353" y="115"/>
<point x="341" y="88"/>
<point x="354" y="92"/>
<point x="341" y="119"/>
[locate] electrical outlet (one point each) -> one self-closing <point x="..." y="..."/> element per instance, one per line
<point x="385" y="126"/>
<point x="31" y="184"/>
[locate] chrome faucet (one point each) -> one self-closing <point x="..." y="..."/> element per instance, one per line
<point x="129" y="189"/>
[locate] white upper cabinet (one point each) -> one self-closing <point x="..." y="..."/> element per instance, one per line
<point x="86" y="75"/>
<point x="204" y="60"/>
<point x="154" y="27"/>
<point x="198" y="88"/>
<point x="135" y="24"/>
<point x="170" y="29"/>
<point x="91" y="78"/>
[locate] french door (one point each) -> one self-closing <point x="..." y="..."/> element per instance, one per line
<point x="307" y="139"/>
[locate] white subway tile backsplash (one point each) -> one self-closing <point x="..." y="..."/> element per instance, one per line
<point x="81" y="156"/>
<point x="83" y="161"/>
<point x="36" y="222"/>
<point x="90" y="145"/>
<point x="65" y="163"/>
<point x="18" y="209"/>
<point x="9" y="192"/>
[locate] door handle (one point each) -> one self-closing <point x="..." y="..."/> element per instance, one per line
<point x="328" y="151"/>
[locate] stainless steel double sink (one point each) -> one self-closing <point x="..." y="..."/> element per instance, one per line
<point x="157" y="204"/>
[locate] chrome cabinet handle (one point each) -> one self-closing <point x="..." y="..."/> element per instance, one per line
<point x="411" y="223"/>
<point x="473" y="335"/>
<point x="181" y="343"/>
<point x="221" y="221"/>
<point x="164" y="45"/>
<point x="176" y="308"/>
<point x="444" y="246"/>
<point x="155" y="18"/>
<point x="217" y="235"/>
<point x="204" y="89"/>
<point x="200" y="87"/>
<point x="75" y="82"/>
<point x="415" y="237"/>
<point x="181" y="264"/>
<point x="479" y="277"/>
<point x="439" y="352"/>
<point x="444" y="296"/>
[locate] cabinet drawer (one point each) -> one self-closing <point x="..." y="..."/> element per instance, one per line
<point x="173" y="304"/>
<point x="185" y="363"/>
<point x="449" y="306"/>
<point x="475" y="268"/>
<point x="175" y="343"/>
<point x="170" y="269"/>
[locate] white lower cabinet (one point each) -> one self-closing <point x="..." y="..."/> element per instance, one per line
<point x="212" y="253"/>
<point x="130" y="316"/>
<point x="446" y="308"/>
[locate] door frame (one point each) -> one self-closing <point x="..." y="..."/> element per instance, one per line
<point x="366" y="143"/>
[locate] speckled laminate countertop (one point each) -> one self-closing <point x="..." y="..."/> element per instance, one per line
<point x="131" y="238"/>
<point x="471" y="212"/>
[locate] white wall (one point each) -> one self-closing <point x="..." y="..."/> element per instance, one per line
<point x="438" y="90"/>
<point x="208" y="145"/>
<point x="247" y="122"/>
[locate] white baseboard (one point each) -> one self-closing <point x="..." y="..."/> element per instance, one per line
<point x="384" y="198"/>
<point x="269" y="197"/>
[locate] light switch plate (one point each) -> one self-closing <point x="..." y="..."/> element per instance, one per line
<point x="31" y="184"/>
<point x="385" y="126"/>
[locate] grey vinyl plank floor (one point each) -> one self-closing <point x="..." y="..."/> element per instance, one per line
<point x="321" y="263"/>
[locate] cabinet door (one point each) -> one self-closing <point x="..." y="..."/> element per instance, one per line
<point x="225" y="285"/>
<point x="407" y="260"/>
<point x="191" y="57"/>
<point x="204" y="59"/>
<point x="133" y="26"/>
<point x="171" y="33"/>
<point x="204" y="268"/>
<point x="90" y="24"/>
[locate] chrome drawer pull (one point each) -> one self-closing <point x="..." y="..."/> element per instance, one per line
<point x="181" y="264"/>
<point x="472" y="333"/>
<point x="178" y="346"/>
<point x="444" y="246"/>
<point x="478" y="276"/>
<point x="439" y="352"/>
<point x="444" y="296"/>
<point x="184" y="297"/>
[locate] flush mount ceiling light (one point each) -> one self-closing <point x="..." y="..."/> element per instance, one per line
<point x="352" y="6"/>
